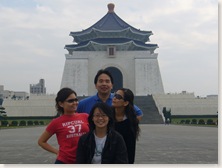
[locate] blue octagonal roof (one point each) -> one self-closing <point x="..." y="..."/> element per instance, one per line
<point x="111" y="30"/>
<point x="111" y="22"/>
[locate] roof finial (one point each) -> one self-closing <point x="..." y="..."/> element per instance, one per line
<point x="111" y="7"/>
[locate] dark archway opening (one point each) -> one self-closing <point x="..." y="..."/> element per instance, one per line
<point x="117" y="78"/>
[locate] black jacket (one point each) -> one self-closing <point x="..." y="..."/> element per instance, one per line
<point x="123" y="127"/>
<point x="114" y="151"/>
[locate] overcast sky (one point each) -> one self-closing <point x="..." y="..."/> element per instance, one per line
<point x="33" y="34"/>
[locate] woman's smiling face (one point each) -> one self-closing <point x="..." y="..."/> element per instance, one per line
<point x="70" y="104"/>
<point x="100" y="119"/>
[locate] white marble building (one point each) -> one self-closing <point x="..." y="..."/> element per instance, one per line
<point x="139" y="69"/>
<point x="114" y="45"/>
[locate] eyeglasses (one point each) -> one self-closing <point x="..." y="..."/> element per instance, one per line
<point x="100" y="115"/>
<point x="118" y="96"/>
<point x="71" y="100"/>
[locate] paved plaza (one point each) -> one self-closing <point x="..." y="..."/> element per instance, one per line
<point x="158" y="144"/>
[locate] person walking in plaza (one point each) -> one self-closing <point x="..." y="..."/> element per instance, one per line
<point x="68" y="127"/>
<point x="126" y="122"/>
<point x="104" y="83"/>
<point x="102" y="145"/>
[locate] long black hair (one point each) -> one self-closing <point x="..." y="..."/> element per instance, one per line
<point x="103" y="107"/>
<point x="130" y="111"/>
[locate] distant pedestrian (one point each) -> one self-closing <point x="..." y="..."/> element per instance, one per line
<point x="167" y="115"/>
<point x="68" y="127"/>
<point x="167" y="121"/>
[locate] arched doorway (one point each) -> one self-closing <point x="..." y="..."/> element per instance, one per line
<point x="117" y="78"/>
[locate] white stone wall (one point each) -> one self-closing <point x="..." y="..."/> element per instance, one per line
<point x="75" y="74"/>
<point x="180" y="104"/>
<point x="35" y="106"/>
<point x="187" y="104"/>
<point x="140" y="71"/>
<point x="148" y="78"/>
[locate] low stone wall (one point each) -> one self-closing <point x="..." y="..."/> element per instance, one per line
<point x="34" y="106"/>
<point x="187" y="104"/>
<point x="180" y="104"/>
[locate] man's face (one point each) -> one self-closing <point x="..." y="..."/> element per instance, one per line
<point x="104" y="84"/>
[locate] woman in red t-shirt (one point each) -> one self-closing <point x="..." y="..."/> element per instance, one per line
<point x="68" y="127"/>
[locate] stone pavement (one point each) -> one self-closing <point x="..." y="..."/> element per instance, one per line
<point x="158" y="144"/>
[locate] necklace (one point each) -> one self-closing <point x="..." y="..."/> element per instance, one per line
<point x="98" y="152"/>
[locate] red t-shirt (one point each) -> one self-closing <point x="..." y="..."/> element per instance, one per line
<point x="68" y="129"/>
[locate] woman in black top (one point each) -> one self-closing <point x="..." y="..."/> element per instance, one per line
<point x="126" y="122"/>
<point x="102" y="144"/>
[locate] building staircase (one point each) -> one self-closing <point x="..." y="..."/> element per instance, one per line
<point x="151" y="114"/>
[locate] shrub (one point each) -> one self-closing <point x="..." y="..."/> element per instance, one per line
<point x="194" y="121"/>
<point x="5" y="123"/>
<point x="182" y="121"/>
<point x="187" y="122"/>
<point x="36" y="122"/>
<point x="30" y="123"/>
<point x="210" y="122"/>
<point x="14" y="123"/>
<point x="201" y="122"/>
<point x="41" y="122"/>
<point x="22" y="123"/>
